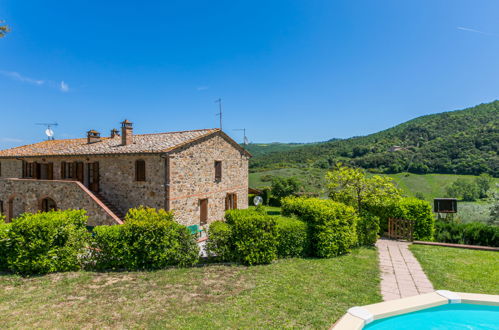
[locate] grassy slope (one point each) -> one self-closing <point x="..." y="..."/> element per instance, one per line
<point x="299" y="293"/>
<point x="459" y="269"/>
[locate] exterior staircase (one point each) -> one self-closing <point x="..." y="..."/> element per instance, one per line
<point x="111" y="206"/>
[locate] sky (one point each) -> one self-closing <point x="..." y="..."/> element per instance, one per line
<point x="287" y="71"/>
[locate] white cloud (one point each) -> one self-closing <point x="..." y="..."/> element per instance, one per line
<point x="17" y="76"/>
<point x="11" y="140"/>
<point x="64" y="87"/>
<point x="202" y="88"/>
<point x="462" y="28"/>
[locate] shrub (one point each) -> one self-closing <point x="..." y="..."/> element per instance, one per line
<point x="47" y="242"/>
<point x="283" y="187"/>
<point x="251" y="197"/>
<point x="266" y="195"/>
<point x="420" y="212"/>
<point x="472" y="233"/>
<point x="149" y="239"/>
<point x="367" y="228"/>
<point x="219" y="245"/>
<point x="333" y="224"/>
<point x="292" y="238"/>
<point x="254" y="236"/>
<point x="4" y="245"/>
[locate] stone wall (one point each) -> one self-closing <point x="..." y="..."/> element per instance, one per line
<point x="192" y="178"/>
<point x="26" y="195"/>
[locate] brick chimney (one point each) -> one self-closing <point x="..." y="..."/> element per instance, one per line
<point x="126" y="133"/>
<point x="114" y="133"/>
<point x="93" y="136"/>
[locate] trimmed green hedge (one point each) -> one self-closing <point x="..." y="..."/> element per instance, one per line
<point x="149" y="239"/>
<point x="47" y="242"/>
<point x="219" y="245"/>
<point x="292" y="238"/>
<point x="367" y="229"/>
<point x="4" y="245"/>
<point x="333" y="225"/>
<point x="473" y="233"/>
<point x="253" y="238"/>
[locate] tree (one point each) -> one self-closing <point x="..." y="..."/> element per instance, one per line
<point x="283" y="187"/>
<point x="494" y="211"/>
<point x="464" y="189"/>
<point x="351" y="186"/>
<point x="3" y="29"/>
<point x="484" y="182"/>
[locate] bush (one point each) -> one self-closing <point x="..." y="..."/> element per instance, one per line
<point x="472" y="233"/>
<point x="420" y="212"/>
<point x="4" y="245"/>
<point x="367" y="229"/>
<point x="47" y="242"/>
<point x="332" y="224"/>
<point x="266" y="195"/>
<point x="219" y="245"/>
<point x="149" y="239"/>
<point x="251" y="197"/>
<point x="254" y="236"/>
<point x="292" y="238"/>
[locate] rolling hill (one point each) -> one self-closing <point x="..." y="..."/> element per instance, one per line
<point x="456" y="142"/>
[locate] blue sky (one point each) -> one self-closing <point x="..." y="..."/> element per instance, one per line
<point x="290" y="70"/>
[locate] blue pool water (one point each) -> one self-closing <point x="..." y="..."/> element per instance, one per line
<point x="449" y="316"/>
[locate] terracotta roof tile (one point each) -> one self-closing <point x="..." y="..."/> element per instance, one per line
<point x="142" y="143"/>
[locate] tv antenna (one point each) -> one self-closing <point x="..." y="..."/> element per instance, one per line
<point x="245" y="140"/>
<point x="49" y="132"/>
<point x="219" y="101"/>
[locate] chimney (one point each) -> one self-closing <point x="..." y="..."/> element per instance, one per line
<point x="93" y="136"/>
<point x="126" y="133"/>
<point x="114" y="133"/>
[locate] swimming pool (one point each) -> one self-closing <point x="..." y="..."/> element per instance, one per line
<point x="436" y="310"/>
<point x="449" y="316"/>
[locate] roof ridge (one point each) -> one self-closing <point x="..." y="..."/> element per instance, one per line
<point x="176" y="132"/>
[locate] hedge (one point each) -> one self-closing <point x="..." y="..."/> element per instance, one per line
<point x="367" y="229"/>
<point x="148" y="239"/>
<point x="47" y="242"/>
<point x="292" y="238"/>
<point x="332" y="224"/>
<point x="4" y="245"/>
<point x="253" y="237"/>
<point x="472" y="233"/>
<point x="219" y="244"/>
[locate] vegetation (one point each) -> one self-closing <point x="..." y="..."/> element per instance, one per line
<point x="473" y="233"/>
<point x="149" y="239"/>
<point x="292" y="238"/>
<point x="284" y="187"/>
<point x="43" y="243"/>
<point x="300" y="293"/>
<point x="468" y="190"/>
<point x="4" y="29"/>
<point x="463" y="142"/>
<point x="459" y="269"/>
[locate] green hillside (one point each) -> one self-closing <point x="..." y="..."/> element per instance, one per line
<point x="456" y="142"/>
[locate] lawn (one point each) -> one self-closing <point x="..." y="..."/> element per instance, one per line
<point x="311" y="293"/>
<point x="459" y="269"/>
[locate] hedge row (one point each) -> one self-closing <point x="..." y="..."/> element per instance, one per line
<point x="251" y="237"/>
<point x="408" y="208"/>
<point x="473" y="233"/>
<point x="333" y="225"/>
<point x="59" y="241"/>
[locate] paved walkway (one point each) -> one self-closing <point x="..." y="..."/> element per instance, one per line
<point x="401" y="273"/>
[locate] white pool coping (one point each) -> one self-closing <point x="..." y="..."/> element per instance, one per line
<point x="357" y="317"/>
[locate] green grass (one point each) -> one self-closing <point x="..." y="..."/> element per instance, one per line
<point x="459" y="269"/>
<point x="301" y="293"/>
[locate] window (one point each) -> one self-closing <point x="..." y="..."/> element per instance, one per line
<point x="140" y="170"/>
<point x="69" y="170"/>
<point x="203" y="211"/>
<point x="218" y="170"/>
<point x="0" y="169"/>
<point x="27" y="169"/>
<point x="231" y="201"/>
<point x="1" y="207"/>
<point x="48" y="205"/>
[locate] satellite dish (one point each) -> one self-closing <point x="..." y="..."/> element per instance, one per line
<point x="49" y="132"/>
<point x="257" y="200"/>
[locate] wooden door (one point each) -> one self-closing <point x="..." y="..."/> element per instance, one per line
<point x="93" y="176"/>
<point x="203" y="205"/>
<point x="79" y="171"/>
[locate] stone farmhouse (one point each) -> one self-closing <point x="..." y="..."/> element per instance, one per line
<point x="198" y="174"/>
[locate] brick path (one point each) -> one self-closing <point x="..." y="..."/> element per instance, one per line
<point x="401" y="273"/>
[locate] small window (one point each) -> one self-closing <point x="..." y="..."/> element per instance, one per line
<point x="48" y="205"/>
<point x="218" y="170"/>
<point x="203" y="211"/>
<point x="140" y="170"/>
<point x="231" y="201"/>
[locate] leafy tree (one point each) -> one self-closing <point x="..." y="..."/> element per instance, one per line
<point x="464" y="189"/>
<point x="3" y="29"/>
<point x="494" y="211"/>
<point x="351" y="186"/>
<point x="283" y="187"/>
<point x="484" y="182"/>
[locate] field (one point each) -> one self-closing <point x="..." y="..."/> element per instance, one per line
<point x="459" y="269"/>
<point x="300" y="293"/>
<point x="429" y="185"/>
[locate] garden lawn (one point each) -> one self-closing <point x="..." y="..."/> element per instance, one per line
<point x="311" y="293"/>
<point x="459" y="269"/>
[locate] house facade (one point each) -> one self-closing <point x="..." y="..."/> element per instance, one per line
<point x="197" y="174"/>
